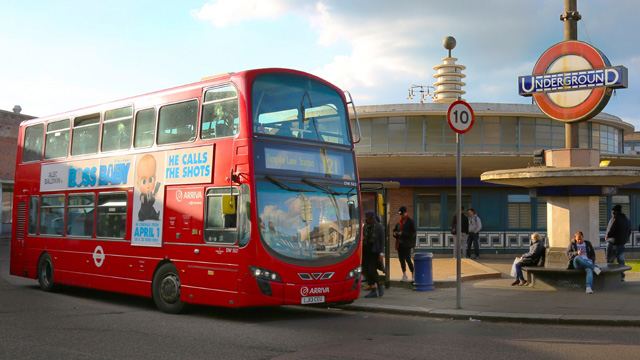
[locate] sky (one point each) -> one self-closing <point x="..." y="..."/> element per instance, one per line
<point x="57" y="56"/>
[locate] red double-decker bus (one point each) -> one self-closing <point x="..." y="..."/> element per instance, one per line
<point x="239" y="190"/>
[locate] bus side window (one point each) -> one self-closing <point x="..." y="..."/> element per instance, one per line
<point x="116" y="130"/>
<point x="32" y="226"/>
<point x="177" y="122"/>
<point x="32" y="144"/>
<point x="145" y="128"/>
<point x="57" y="139"/>
<point x="52" y="214"/>
<point x="80" y="215"/>
<point x="86" y="131"/>
<point x="219" y="113"/>
<point x="219" y="227"/>
<point x="112" y="215"/>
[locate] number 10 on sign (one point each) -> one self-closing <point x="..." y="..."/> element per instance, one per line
<point x="460" y="117"/>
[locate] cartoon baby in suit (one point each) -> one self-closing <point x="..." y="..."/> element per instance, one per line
<point x="148" y="186"/>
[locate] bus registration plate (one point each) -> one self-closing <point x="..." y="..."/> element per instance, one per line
<point x="312" y="299"/>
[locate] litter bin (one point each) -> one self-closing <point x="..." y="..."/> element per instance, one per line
<point x="423" y="280"/>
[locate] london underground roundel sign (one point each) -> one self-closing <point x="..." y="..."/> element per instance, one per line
<point x="572" y="81"/>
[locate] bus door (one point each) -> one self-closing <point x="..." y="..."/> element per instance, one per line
<point x="373" y="197"/>
<point x="195" y="221"/>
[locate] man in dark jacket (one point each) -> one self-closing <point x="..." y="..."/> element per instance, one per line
<point x="405" y="234"/>
<point x="581" y="256"/>
<point x="372" y="253"/>
<point x="464" y="231"/>
<point x="618" y="231"/>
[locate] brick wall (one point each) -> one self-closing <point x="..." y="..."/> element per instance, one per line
<point x="9" y="124"/>
<point x="400" y="197"/>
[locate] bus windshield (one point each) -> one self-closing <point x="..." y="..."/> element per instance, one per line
<point x="307" y="223"/>
<point x="300" y="107"/>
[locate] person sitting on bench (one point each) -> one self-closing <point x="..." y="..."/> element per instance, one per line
<point x="581" y="256"/>
<point x="532" y="258"/>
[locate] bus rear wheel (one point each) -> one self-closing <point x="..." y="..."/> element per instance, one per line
<point x="166" y="289"/>
<point x="45" y="273"/>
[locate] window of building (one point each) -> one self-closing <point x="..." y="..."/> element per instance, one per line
<point x="112" y="215"/>
<point x="32" y="224"/>
<point x="80" y="214"/>
<point x="220" y="227"/>
<point x="451" y="206"/>
<point x="116" y="130"/>
<point x="145" y="128"/>
<point x="602" y="212"/>
<point x="219" y="113"/>
<point x="7" y="208"/>
<point x="518" y="212"/>
<point x="86" y="131"/>
<point x="52" y="214"/>
<point x="541" y="206"/>
<point x="57" y="139"/>
<point x="32" y="147"/>
<point x="429" y="211"/>
<point x="177" y="122"/>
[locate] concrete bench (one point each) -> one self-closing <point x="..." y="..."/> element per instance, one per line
<point x="546" y="278"/>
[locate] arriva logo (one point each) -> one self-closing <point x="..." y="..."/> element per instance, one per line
<point x="305" y="291"/>
<point x="187" y="195"/>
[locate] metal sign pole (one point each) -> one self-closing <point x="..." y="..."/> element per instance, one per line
<point x="460" y="118"/>
<point x="458" y="225"/>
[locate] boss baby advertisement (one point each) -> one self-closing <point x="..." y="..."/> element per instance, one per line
<point x="148" y="200"/>
<point x="153" y="171"/>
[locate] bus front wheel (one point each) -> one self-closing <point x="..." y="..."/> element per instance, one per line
<point x="166" y="289"/>
<point x="45" y="273"/>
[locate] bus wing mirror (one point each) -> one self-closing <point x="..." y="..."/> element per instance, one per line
<point x="228" y="204"/>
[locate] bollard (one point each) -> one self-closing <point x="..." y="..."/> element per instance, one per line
<point x="423" y="276"/>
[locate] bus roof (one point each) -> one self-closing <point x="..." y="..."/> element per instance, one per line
<point x="154" y="97"/>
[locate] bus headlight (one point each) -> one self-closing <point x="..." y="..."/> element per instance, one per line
<point x="264" y="274"/>
<point x="355" y="273"/>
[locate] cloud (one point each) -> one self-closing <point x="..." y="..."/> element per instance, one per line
<point x="223" y="13"/>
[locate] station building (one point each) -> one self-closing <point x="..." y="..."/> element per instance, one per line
<point x="411" y="149"/>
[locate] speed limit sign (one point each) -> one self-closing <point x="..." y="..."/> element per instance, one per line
<point x="460" y="117"/>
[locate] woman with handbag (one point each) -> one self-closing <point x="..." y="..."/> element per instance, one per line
<point x="536" y="250"/>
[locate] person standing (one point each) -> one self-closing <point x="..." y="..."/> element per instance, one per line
<point x="617" y="235"/>
<point x="405" y="234"/>
<point x="581" y="256"/>
<point x="372" y="253"/>
<point x="475" y="225"/>
<point x="464" y="231"/>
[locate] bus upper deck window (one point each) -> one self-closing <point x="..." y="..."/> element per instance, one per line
<point x="219" y="113"/>
<point x="116" y="130"/>
<point x="145" y="128"/>
<point x="177" y="122"/>
<point x="57" y="139"/>
<point x="32" y="145"/>
<point x="86" y="131"/>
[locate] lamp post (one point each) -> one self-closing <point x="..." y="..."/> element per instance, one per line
<point x="424" y="90"/>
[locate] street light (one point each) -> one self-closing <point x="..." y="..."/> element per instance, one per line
<point x="424" y="90"/>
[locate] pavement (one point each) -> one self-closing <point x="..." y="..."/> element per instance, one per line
<point x="487" y="295"/>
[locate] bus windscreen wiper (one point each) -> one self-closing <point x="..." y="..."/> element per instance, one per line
<point x="323" y="187"/>
<point x="282" y="185"/>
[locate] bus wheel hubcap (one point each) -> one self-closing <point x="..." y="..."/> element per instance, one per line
<point x="170" y="289"/>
